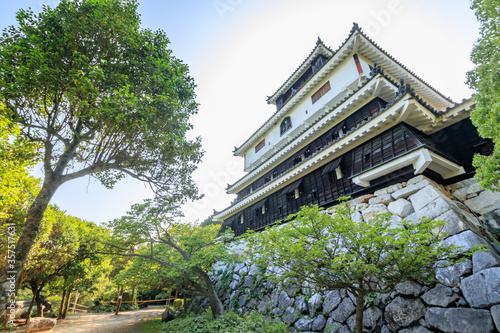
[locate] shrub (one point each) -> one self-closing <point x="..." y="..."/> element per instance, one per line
<point x="229" y="323"/>
<point x="178" y="304"/>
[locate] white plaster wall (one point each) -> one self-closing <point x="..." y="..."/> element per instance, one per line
<point x="343" y="75"/>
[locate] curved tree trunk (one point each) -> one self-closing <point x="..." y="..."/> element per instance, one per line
<point x="61" y="308"/>
<point x="38" y="303"/>
<point x="66" y="304"/>
<point x="213" y="298"/>
<point x="34" y="218"/>
<point x="30" y="308"/>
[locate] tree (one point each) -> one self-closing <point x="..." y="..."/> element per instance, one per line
<point x="101" y="97"/>
<point x="185" y="252"/>
<point x="337" y="251"/>
<point x="485" y="79"/>
<point x="63" y="249"/>
<point x="17" y="187"/>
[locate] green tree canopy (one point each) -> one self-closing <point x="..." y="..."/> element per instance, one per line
<point x="485" y="79"/>
<point x="101" y="96"/>
<point x="184" y="251"/>
<point x="337" y="251"/>
<point x="64" y="248"/>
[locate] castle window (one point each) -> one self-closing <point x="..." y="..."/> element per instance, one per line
<point x="292" y="191"/>
<point x="314" y="194"/>
<point x="338" y="172"/>
<point x="332" y="166"/>
<point x="286" y="124"/>
<point x="260" y="145"/>
<point x="260" y="208"/>
<point x="320" y="92"/>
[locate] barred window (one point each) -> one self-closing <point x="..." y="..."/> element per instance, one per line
<point x="286" y="124"/>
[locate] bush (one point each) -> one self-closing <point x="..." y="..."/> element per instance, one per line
<point x="229" y="323"/>
<point x="178" y="304"/>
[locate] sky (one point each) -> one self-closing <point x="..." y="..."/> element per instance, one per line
<point x="241" y="51"/>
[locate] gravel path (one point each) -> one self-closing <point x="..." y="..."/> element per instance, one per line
<point x="104" y="322"/>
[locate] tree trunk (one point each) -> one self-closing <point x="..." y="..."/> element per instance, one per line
<point x="359" y="312"/>
<point x="30" y="308"/>
<point x="59" y="316"/>
<point x="66" y="304"/>
<point x="213" y="298"/>
<point x="133" y="296"/>
<point x="38" y="302"/>
<point x="11" y="273"/>
<point x="119" y="301"/>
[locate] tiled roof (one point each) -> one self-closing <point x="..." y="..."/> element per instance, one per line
<point x="319" y="43"/>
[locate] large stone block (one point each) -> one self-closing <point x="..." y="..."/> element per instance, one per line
<point x="372" y="319"/>
<point x="450" y="275"/>
<point x="482" y="289"/>
<point x="301" y="304"/>
<point x="40" y="324"/>
<point x="484" y="260"/>
<point x="388" y="190"/>
<point x="373" y="210"/>
<point x="459" y="320"/>
<point x="284" y="300"/>
<point x="303" y="324"/>
<point x="381" y="199"/>
<point x="335" y="327"/>
<point x="409" y="288"/>
<point x="318" y="323"/>
<point x="238" y="266"/>
<point x="439" y="296"/>
<point x="345" y="309"/>
<point x="431" y="211"/>
<point x="264" y="304"/>
<point x="401" y="207"/>
<point x="315" y="303"/>
<point x="485" y="202"/>
<point x="248" y="280"/>
<point x="410" y="189"/>
<point x="495" y="314"/>
<point x="465" y="240"/>
<point x="425" y="196"/>
<point x="332" y="300"/>
<point x="454" y="223"/>
<point x="403" y="312"/>
<point x="291" y="315"/>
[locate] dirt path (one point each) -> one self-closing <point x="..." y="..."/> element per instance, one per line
<point x="104" y="322"/>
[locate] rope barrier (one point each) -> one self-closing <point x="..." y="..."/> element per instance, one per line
<point x="151" y="300"/>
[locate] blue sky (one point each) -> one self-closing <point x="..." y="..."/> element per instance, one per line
<point x="241" y="51"/>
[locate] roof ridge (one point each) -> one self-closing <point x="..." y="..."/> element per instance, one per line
<point x="318" y="43"/>
<point x="360" y="30"/>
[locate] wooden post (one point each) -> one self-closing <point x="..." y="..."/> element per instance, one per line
<point x="119" y="301"/>
<point x="76" y="301"/>
<point x="59" y="316"/>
